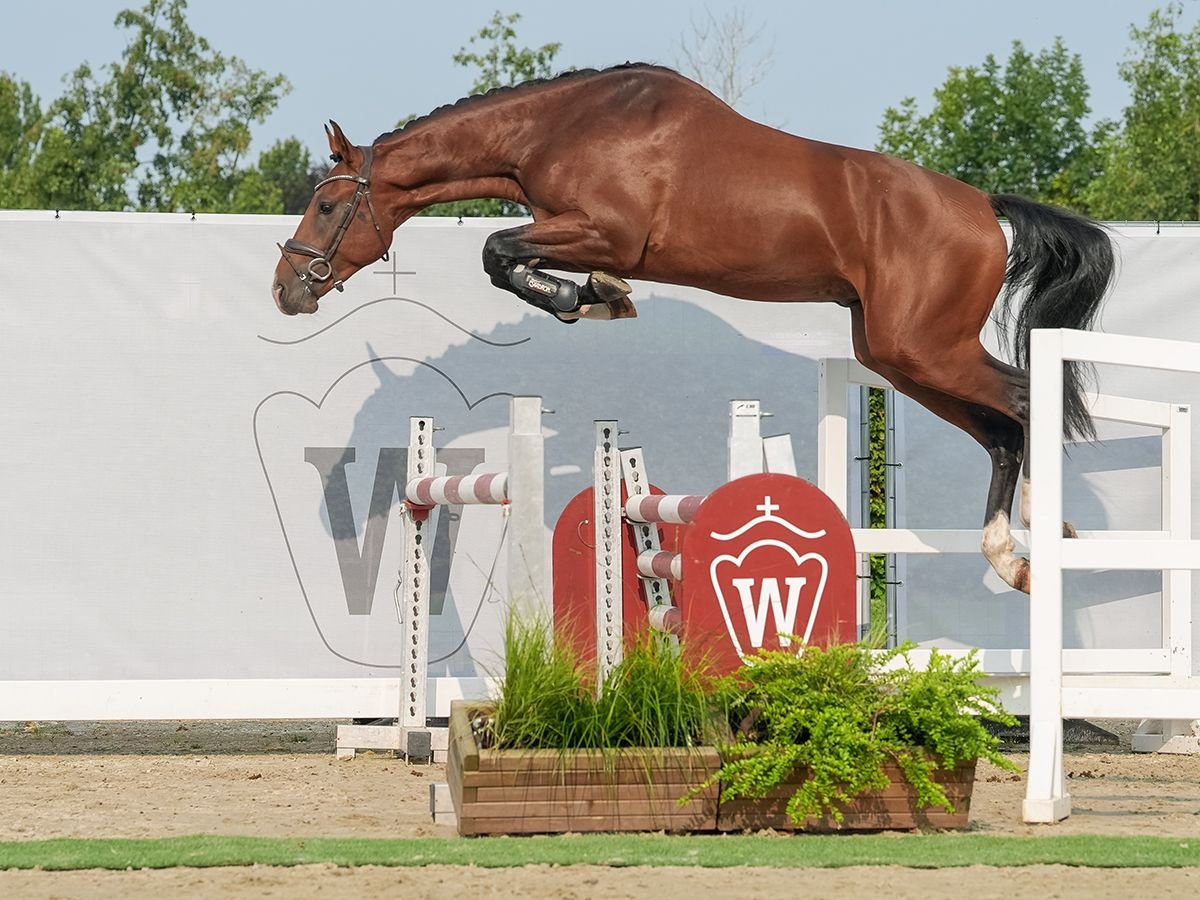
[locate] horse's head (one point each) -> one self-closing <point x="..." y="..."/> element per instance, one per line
<point x="339" y="234"/>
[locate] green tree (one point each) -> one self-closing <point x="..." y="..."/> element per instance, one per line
<point x="499" y="62"/>
<point x="1013" y="127"/>
<point x="166" y="127"/>
<point x="498" y="59"/>
<point x="1151" y="159"/>
<point x="289" y="166"/>
<point x="82" y="154"/>
<point x="20" y="113"/>
<point x="197" y="105"/>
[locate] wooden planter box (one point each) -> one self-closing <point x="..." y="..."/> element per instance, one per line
<point x="892" y="809"/>
<point x="552" y="791"/>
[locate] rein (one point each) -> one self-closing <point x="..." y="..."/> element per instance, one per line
<point x="320" y="268"/>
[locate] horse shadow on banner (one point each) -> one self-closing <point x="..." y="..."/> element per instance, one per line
<point x="667" y="376"/>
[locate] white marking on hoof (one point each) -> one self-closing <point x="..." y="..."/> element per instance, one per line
<point x="997" y="546"/>
<point x="620" y="309"/>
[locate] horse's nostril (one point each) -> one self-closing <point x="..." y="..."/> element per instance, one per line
<point x="278" y="291"/>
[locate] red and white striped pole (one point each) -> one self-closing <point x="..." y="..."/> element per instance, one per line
<point x="674" y="509"/>
<point x="491" y="487"/>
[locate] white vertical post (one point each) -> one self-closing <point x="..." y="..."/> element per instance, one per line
<point x="655" y="590"/>
<point x="528" y="596"/>
<point x="833" y="454"/>
<point x="1174" y="735"/>
<point x="1177" y="735"/>
<point x="897" y="563"/>
<point x="745" y="438"/>
<point x="607" y="539"/>
<point x="1046" y="797"/>
<point x="419" y="529"/>
<point x="779" y="455"/>
<point x="1177" y="519"/>
<point x="858" y="491"/>
<point x="833" y="410"/>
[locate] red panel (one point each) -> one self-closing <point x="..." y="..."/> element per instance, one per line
<point x="767" y="556"/>
<point x="575" y="575"/>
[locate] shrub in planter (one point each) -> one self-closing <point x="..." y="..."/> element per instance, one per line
<point x="830" y="724"/>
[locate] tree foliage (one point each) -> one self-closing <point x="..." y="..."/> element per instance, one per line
<point x="20" y="113"/>
<point x="1014" y="127"/>
<point x="493" y="51"/>
<point x="498" y="62"/>
<point x="168" y="126"/>
<point x="1151" y="159"/>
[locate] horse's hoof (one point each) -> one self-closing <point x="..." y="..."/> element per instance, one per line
<point x="619" y="309"/>
<point x="612" y="297"/>
<point x="1021" y="576"/>
<point x="1069" y="530"/>
<point x="622" y="309"/>
<point x="608" y="288"/>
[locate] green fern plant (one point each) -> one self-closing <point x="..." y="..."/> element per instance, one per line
<point x="842" y="713"/>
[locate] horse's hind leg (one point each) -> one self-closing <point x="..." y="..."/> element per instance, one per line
<point x="1000" y="429"/>
<point x="570" y="242"/>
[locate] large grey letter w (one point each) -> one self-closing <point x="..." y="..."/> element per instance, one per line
<point x="360" y="566"/>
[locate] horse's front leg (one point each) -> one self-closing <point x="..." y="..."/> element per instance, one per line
<point x="510" y="258"/>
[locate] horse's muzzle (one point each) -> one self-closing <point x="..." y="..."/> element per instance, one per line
<point x="291" y="303"/>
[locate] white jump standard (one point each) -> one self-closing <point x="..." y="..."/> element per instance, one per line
<point x="520" y="492"/>
<point x="642" y="511"/>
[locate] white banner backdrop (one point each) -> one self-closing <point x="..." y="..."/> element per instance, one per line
<point x="198" y="517"/>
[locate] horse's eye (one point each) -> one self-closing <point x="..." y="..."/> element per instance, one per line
<point x="325" y="207"/>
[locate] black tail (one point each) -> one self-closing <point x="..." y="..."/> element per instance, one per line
<point x="1064" y="263"/>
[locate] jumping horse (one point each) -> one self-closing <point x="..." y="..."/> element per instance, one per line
<point x="637" y="172"/>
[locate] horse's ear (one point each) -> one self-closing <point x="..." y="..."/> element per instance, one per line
<point x="340" y="147"/>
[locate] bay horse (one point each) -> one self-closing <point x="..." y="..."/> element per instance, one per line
<point x="636" y="172"/>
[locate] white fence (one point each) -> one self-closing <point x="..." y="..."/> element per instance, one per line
<point x="1172" y="693"/>
<point x="1011" y="667"/>
<point x="1045" y="681"/>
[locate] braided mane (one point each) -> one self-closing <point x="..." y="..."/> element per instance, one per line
<point x="499" y="92"/>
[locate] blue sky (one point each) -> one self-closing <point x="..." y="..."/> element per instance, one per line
<point x="835" y="66"/>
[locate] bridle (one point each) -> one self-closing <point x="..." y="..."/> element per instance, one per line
<point x="320" y="268"/>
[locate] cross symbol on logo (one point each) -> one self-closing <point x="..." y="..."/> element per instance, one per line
<point x="394" y="272"/>
<point x="767" y="506"/>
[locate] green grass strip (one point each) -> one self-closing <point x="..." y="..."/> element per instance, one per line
<point x="817" y="851"/>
